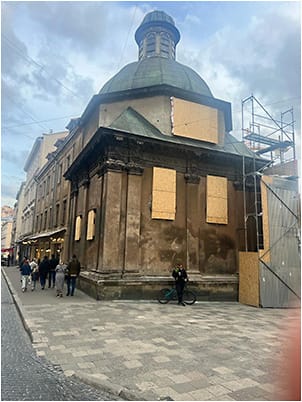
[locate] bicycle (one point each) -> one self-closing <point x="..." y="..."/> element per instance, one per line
<point x="166" y="295"/>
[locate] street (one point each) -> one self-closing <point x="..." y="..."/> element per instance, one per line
<point x="142" y="350"/>
<point x="26" y="376"/>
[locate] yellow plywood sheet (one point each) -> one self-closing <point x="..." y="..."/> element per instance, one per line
<point x="217" y="200"/>
<point x="265" y="254"/>
<point x="249" y="278"/>
<point x="78" y="228"/>
<point x="164" y="194"/>
<point x="164" y="179"/>
<point x="91" y="225"/>
<point x="217" y="210"/>
<point x="194" y="120"/>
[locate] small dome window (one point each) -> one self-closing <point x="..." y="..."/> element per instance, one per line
<point x="166" y="46"/>
<point x="150" y="44"/>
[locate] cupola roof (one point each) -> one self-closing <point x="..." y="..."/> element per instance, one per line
<point x="157" y="37"/>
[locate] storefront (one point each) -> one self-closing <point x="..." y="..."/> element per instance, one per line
<point x="47" y="243"/>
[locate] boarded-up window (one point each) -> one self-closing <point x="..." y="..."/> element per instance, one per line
<point x="217" y="199"/>
<point x="193" y="120"/>
<point x="77" y="235"/>
<point x="164" y="194"/>
<point x="91" y="225"/>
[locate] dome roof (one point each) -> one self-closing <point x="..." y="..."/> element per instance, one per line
<point x="153" y="71"/>
<point x="157" y="38"/>
<point x="157" y="19"/>
<point x="158" y="16"/>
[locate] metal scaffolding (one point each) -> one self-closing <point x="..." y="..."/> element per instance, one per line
<point x="271" y="139"/>
<point x="273" y="142"/>
<point x="266" y="136"/>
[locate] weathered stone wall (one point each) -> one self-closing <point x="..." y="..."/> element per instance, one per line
<point x="156" y="109"/>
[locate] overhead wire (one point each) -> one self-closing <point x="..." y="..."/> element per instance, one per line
<point x="41" y="121"/>
<point x="25" y="112"/>
<point x="42" y="67"/>
<point x="127" y="37"/>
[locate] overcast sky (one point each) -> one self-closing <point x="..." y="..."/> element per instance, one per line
<point x="57" y="55"/>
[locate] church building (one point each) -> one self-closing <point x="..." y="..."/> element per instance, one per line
<point x="156" y="178"/>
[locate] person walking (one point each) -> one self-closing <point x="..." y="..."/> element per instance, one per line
<point x="180" y="275"/>
<point x="25" y="273"/>
<point x="73" y="271"/>
<point x="60" y="278"/>
<point x="34" y="273"/>
<point x="53" y="262"/>
<point x="44" y="268"/>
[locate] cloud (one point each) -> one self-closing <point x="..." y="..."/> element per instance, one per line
<point x="57" y="55"/>
<point x="264" y="59"/>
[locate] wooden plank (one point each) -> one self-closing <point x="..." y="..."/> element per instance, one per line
<point x="193" y="120"/>
<point x="249" y="278"/>
<point x="217" y="200"/>
<point x="164" y="194"/>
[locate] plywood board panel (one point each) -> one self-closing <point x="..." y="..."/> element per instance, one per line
<point x="217" y="200"/>
<point x="78" y="228"/>
<point x="249" y="278"/>
<point x="265" y="254"/>
<point x="194" y="120"/>
<point x="164" y="194"/>
<point x="91" y="225"/>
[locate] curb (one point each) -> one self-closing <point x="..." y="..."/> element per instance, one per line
<point x="109" y="387"/>
<point x="106" y="386"/>
<point x="18" y="305"/>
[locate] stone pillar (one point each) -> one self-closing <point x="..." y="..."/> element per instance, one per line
<point x="133" y="221"/>
<point x="193" y="205"/>
<point x="71" y="227"/>
<point x="85" y="183"/>
<point x="110" y="249"/>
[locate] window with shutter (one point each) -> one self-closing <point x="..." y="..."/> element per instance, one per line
<point x="217" y="199"/>
<point x="77" y="235"/>
<point x="164" y="194"/>
<point x="91" y="225"/>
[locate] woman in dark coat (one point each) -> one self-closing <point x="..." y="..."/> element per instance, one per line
<point x="44" y="269"/>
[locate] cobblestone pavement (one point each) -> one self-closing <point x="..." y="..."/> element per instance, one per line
<point x="147" y="351"/>
<point x="26" y="376"/>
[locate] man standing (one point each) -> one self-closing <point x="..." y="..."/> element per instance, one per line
<point x="44" y="268"/>
<point x="73" y="271"/>
<point x="53" y="262"/>
<point x="180" y="276"/>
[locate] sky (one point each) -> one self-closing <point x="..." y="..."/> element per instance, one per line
<point x="57" y="55"/>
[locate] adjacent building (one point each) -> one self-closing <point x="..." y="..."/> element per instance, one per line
<point x="24" y="226"/>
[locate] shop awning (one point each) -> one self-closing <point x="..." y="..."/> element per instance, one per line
<point x="7" y="250"/>
<point x="47" y="234"/>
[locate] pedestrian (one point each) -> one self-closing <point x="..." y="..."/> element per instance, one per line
<point x="22" y="261"/>
<point x="180" y="275"/>
<point x="8" y="260"/>
<point x="53" y="262"/>
<point x="25" y="273"/>
<point x="44" y="268"/>
<point x="60" y="278"/>
<point x="34" y="273"/>
<point x="73" y="271"/>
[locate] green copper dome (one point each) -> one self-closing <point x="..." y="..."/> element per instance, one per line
<point x="156" y="71"/>
<point x="157" y="37"/>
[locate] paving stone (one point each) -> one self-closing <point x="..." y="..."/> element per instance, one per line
<point x="141" y="342"/>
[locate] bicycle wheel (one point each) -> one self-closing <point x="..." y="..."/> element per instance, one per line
<point x="164" y="296"/>
<point x="189" y="297"/>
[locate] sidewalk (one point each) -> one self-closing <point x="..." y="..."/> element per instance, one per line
<point x="143" y="350"/>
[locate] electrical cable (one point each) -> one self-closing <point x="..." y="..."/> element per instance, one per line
<point x="32" y="61"/>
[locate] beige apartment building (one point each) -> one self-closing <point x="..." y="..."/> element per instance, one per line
<point x="26" y="197"/>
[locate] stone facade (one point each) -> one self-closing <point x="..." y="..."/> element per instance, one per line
<point x="96" y="196"/>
